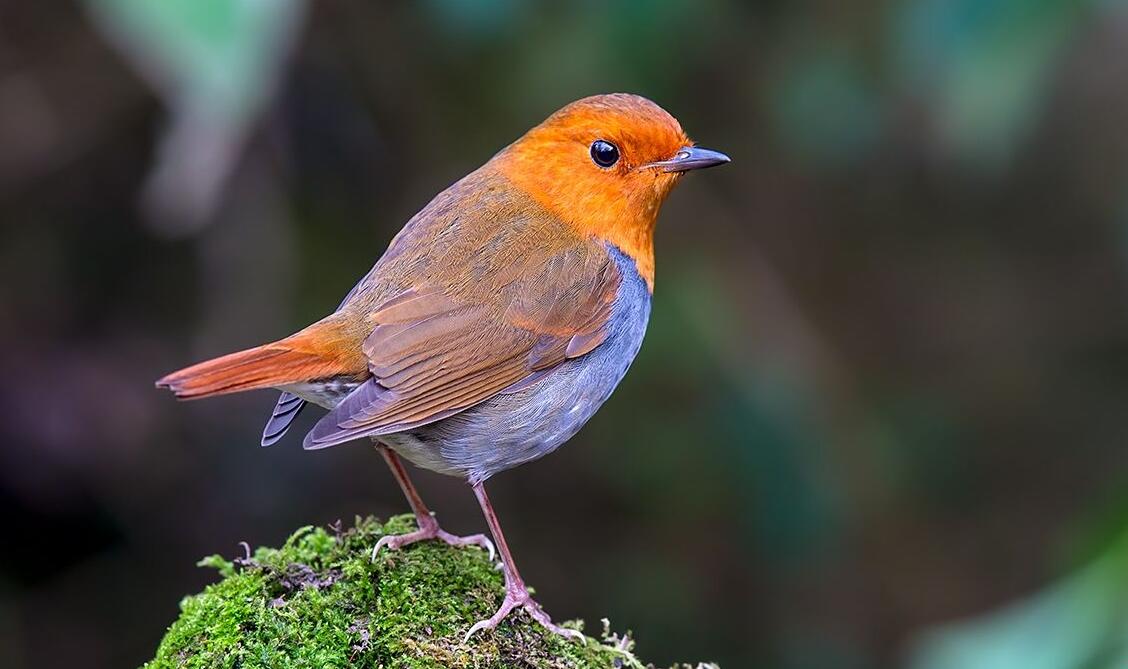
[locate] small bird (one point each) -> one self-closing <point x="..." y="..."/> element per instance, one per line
<point x="500" y="318"/>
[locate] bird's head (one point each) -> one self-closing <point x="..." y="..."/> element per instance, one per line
<point x="604" y="165"/>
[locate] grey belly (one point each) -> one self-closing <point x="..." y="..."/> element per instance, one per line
<point x="514" y="428"/>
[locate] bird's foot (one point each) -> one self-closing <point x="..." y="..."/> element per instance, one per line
<point x="515" y="597"/>
<point x="429" y="529"/>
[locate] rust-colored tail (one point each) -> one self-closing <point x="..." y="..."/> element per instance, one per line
<point x="318" y="352"/>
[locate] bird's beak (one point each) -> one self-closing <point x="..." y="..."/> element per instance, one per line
<point x="689" y="158"/>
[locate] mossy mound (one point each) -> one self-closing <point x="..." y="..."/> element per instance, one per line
<point x="320" y="602"/>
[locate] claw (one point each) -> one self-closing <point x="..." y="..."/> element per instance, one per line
<point x="431" y="530"/>
<point x="384" y="541"/>
<point x="513" y="599"/>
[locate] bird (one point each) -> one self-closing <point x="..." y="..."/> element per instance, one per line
<point x="497" y="322"/>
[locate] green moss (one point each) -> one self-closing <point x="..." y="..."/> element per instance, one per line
<point x="320" y="602"/>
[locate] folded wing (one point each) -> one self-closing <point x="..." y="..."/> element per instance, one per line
<point x="433" y="355"/>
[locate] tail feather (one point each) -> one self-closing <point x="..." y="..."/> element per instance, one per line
<point x="285" y="411"/>
<point x="293" y="360"/>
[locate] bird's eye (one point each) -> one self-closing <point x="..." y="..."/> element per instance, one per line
<point x="604" y="153"/>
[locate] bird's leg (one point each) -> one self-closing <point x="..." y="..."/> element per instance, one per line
<point x="428" y="526"/>
<point x="516" y="594"/>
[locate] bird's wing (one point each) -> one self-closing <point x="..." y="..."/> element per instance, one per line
<point x="432" y="354"/>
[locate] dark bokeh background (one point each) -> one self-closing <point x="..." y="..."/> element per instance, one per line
<point x="886" y="378"/>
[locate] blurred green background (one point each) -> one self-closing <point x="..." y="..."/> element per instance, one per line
<point x="881" y="414"/>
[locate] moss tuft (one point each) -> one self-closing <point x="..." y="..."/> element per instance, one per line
<point x="319" y="602"/>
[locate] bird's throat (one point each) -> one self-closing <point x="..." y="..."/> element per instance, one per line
<point x="607" y="212"/>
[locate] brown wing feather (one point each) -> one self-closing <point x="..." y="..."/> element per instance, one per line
<point x="434" y="354"/>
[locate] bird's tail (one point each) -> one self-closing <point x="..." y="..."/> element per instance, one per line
<point x="318" y="352"/>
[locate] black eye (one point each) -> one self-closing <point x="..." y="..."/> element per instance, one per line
<point x="604" y="153"/>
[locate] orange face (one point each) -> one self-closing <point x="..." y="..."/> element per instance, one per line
<point x="604" y="165"/>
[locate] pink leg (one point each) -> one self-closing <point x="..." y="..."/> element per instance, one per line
<point x="516" y="594"/>
<point x="428" y="526"/>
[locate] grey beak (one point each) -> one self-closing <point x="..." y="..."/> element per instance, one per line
<point x="690" y="158"/>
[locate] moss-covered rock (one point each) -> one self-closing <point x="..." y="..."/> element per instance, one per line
<point x="320" y="602"/>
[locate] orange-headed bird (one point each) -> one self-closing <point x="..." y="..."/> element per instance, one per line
<point x="497" y="322"/>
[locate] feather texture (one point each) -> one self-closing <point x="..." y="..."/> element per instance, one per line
<point x="520" y="292"/>
<point x="432" y="356"/>
<point x="289" y="405"/>
<point x="285" y="411"/>
<point x="314" y="353"/>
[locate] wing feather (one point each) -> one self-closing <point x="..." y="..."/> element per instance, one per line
<point x="433" y="354"/>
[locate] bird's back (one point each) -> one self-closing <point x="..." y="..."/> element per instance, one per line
<point x="477" y="239"/>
